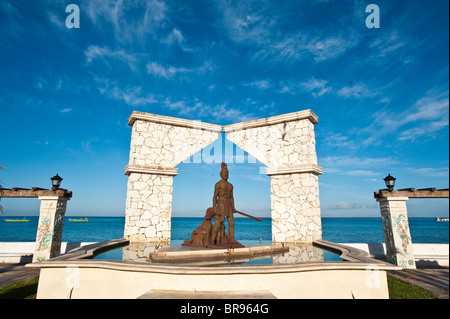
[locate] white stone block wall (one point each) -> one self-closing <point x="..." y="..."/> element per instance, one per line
<point x="165" y="145"/>
<point x="295" y="204"/>
<point x="280" y="145"/>
<point x="158" y="144"/>
<point x="287" y="145"/>
<point x="148" y="208"/>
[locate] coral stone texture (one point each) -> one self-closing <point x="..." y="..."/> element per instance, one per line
<point x="158" y="144"/>
<point x="284" y="143"/>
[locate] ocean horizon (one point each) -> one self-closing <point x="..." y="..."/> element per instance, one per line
<point x="334" y="229"/>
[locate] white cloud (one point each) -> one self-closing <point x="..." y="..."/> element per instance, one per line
<point x="356" y="166"/>
<point x="316" y="87"/>
<point x="429" y="171"/>
<point x="343" y="205"/>
<point x="221" y="112"/>
<point x="326" y="48"/>
<point x="357" y="91"/>
<point x="339" y="140"/>
<point x="429" y="108"/>
<point x="157" y="69"/>
<point x="175" y="37"/>
<point x="262" y="85"/>
<point x="131" y="95"/>
<point x="427" y="115"/>
<point x="425" y="129"/>
<point x="245" y="23"/>
<point x="104" y="53"/>
<point x="148" y="16"/>
<point x="258" y="26"/>
<point x="361" y="173"/>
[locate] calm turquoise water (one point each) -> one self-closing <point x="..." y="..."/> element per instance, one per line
<point x="339" y="230"/>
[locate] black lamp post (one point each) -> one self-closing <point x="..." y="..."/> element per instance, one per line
<point x="56" y="181"/>
<point x="390" y="182"/>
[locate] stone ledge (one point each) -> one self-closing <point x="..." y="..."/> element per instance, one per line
<point x="172" y="121"/>
<point x="301" y="115"/>
<point x="158" y="170"/>
<point x="315" y="169"/>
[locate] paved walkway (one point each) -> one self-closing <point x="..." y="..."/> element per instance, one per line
<point x="10" y="273"/>
<point x="433" y="279"/>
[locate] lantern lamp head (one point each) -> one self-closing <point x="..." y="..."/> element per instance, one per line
<point x="56" y="182"/>
<point x="390" y="182"/>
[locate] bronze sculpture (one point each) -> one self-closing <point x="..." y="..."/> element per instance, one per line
<point x="209" y="236"/>
<point x="201" y="236"/>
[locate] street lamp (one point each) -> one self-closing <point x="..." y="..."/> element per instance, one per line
<point x="56" y="181"/>
<point x="390" y="182"/>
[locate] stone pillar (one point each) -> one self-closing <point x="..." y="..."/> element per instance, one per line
<point x="158" y="144"/>
<point x="296" y="216"/>
<point x="50" y="227"/>
<point x="286" y="144"/>
<point x="399" y="248"/>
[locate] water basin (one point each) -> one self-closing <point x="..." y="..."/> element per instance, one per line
<point x="298" y="253"/>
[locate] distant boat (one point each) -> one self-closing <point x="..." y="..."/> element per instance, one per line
<point x="442" y="219"/>
<point x="17" y="220"/>
<point x="79" y="220"/>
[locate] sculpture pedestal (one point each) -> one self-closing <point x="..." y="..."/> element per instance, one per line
<point x="198" y="255"/>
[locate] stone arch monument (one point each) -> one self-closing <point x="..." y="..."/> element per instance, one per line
<point x="284" y="143"/>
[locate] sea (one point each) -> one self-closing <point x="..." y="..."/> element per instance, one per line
<point x="247" y="231"/>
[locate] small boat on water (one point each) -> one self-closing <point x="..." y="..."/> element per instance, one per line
<point x="24" y="220"/>
<point x="442" y="219"/>
<point x="79" y="220"/>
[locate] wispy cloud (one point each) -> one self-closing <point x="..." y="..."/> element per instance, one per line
<point x="316" y="87"/>
<point x="339" y="140"/>
<point x="426" y="116"/>
<point x="262" y="85"/>
<point x="429" y="171"/>
<point x="255" y="25"/>
<point x="298" y="46"/>
<point x="348" y="206"/>
<point x="356" y="166"/>
<point x="159" y="70"/>
<point x="131" y="95"/>
<point x="246" y="22"/>
<point x="105" y="54"/>
<point x="356" y="91"/>
<point x="148" y="16"/>
<point x="221" y="112"/>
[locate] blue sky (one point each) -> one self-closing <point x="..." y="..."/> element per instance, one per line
<point x="381" y="95"/>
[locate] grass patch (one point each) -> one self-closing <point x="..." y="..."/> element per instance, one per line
<point x="25" y="289"/>
<point x="399" y="289"/>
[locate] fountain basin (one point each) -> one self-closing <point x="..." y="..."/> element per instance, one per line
<point x="74" y="275"/>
